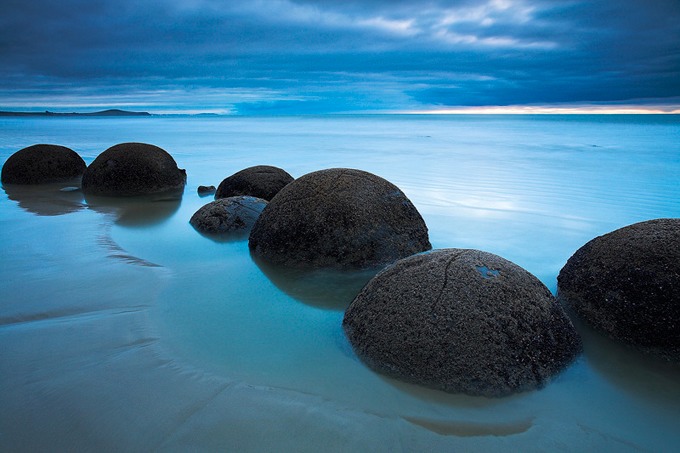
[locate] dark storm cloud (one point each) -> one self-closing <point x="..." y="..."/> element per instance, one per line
<point x="325" y="55"/>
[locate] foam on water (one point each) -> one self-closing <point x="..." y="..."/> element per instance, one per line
<point x="122" y="327"/>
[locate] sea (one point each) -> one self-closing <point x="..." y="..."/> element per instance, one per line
<point x="124" y="329"/>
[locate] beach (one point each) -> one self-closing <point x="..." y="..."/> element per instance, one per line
<point x="125" y="329"/>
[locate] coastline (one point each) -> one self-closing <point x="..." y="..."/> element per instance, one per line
<point x="103" y="113"/>
<point x="104" y="351"/>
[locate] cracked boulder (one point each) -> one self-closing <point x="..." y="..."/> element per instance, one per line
<point x="41" y="164"/>
<point x="131" y="169"/>
<point x="338" y="218"/>
<point x="228" y="216"/>
<point x="462" y="321"/>
<point x="626" y="283"/>
<point x="261" y="181"/>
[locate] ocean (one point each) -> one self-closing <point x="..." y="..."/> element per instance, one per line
<point x="122" y="328"/>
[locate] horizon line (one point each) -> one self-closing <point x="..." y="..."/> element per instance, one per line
<point x="546" y="110"/>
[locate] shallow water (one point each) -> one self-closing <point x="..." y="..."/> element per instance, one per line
<point x="123" y="328"/>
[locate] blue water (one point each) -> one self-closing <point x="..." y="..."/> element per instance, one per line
<point x="124" y="328"/>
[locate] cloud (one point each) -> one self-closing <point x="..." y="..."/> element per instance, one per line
<point x="324" y="55"/>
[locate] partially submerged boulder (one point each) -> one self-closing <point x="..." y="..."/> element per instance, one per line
<point x="626" y="283"/>
<point x="204" y="191"/>
<point x="131" y="169"/>
<point x="261" y="181"/>
<point x="41" y="164"/>
<point x="338" y="218"/>
<point x="228" y="216"/>
<point x="463" y="321"/>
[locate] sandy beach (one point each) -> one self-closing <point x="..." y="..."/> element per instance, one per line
<point x="123" y="329"/>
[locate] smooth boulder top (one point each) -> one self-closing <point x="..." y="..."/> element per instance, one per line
<point x="130" y="169"/>
<point x="626" y="283"/>
<point x="228" y="215"/>
<point x="261" y="181"/>
<point x="43" y="163"/>
<point x="462" y="321"/>
<point x="338" y="218"/>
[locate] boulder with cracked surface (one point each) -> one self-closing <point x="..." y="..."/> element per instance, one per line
<point x="462" y="321"/>
<point x="228" y="216"/>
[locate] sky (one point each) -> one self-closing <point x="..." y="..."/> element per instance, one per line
<point x="330" y="56"/>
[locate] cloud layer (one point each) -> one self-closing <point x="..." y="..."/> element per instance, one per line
<point x="314" y="56"/>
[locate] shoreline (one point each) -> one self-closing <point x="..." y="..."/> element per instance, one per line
<point x="105" y="113"/>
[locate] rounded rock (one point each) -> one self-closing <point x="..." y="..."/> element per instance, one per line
<point x="462" y="321"/>
<point x="233" y="215"/>
<point x="338" y="218"/>
<point x="131" y="169"/>
<point x="626" y="283"/>
<point x="261" y="181"/>
<point x="204" y="191"/>
<point x="40" y="164"/>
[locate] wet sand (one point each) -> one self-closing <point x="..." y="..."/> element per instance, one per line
<point x="122" y="328"/>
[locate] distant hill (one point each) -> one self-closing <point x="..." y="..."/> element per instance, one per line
<point x="110" y="112"/>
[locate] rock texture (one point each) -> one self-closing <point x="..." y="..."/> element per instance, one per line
<point x="463" y="321"/>
<point x="233" y="215"/>
<point x="204" y="191"/>
<point x="40" y="164"/>
<point x="261" y="181"/>
<point x="131" y="169"/>
<point x="627" y="284"/>
<point x="338" y="218"/>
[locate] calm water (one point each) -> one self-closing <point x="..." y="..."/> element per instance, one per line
<point x="122" y="328"/>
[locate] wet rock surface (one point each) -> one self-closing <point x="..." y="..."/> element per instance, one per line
<point x="261" y="181"/>
<point x="204" y="191"/>
<point x="228" y="216"/>
<point x="463" y="321"/>
<point x="131" y="169"/>
<point x="339" y="218"/>
<point x="626" y="283"/>
<point x="41" y="164"/>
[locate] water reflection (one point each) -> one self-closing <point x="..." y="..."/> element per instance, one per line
<point x="322" y="288"/>
<point x="141" y="211"/>
<point x="47" y="199"/>
<point x="643" y="375"/>
<point x="232" y="236"/>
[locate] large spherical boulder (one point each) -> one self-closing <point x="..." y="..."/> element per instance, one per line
<point x="261" y="181"/>
<point x="40" y="164"/>
<point x="463" y="321"/>
<point x="130" y="169"/>
<point x="627" y="284"/>
<point x="227" y="216"/>
<point x="338" y="218"/>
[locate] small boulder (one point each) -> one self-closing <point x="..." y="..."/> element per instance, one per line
<point x="233" y="215"/>
<point x="338" y="218"/>
<point x="132" y="169"/>
<point x="261" y="181"/>
<point x="462" y="321"/>
<point x="626" y="283"/>
<point x="204" y="191"/>
<point x="41" y="164"/>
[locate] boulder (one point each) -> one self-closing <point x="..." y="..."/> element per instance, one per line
<point x="261" y="181"/>
<point x="132" y="169"/>
<point x="626" y="283"/>
<point x="40" y="164"/>
<point x="338" y="218"/>
<point x="462" y="321"/>
<point x="233" y="215"/>
<point x="204" y="191"/>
